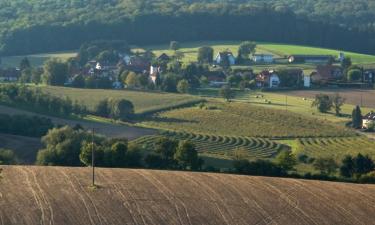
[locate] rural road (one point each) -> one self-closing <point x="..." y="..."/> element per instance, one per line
<point x="109" y="130"/>
<point x="56" y="195"/>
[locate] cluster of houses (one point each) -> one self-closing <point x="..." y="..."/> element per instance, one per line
<point x="324" y="73"/>
<point x="9" y="74"/>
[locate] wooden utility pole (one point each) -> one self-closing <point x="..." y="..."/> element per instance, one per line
<point x="93" y="157"/>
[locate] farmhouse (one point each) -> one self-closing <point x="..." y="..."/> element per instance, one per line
<point x="369" y="76"/>
<point x="263" y="58"/>
<point x="222" y="55"/>
<point x="138" y="64"/>
<point x="9" y="75"/>
<point x="325" y="73"/>
<point x="309" y="58"/>
<point x="268" y="79"/>
<point x="368" y="120"/>
<point x="163" y="57"/>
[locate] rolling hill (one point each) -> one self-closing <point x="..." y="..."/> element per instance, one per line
<point x="55" y="195"/>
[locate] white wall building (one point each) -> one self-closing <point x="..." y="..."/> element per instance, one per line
<point x="219" y="58"/>
<point x="263" y="58"/>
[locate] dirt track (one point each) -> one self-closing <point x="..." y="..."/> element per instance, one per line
<point x="109" y="130"/>
<point x="42" y="195"/>
<point x="352" y="96"/>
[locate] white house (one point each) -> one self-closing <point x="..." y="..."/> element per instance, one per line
<point x="274" y="80"/>
<point x="306" y="81"/>
<point x="263" y="58"/>
<point x="368" y="120"/>
<point x="220" y="56"/>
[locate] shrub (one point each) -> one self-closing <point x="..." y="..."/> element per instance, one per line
<point x="326" y="166"/>
<point x="258" y="167"/>
<point x="115" y="108"/>
<point x="286" y="160"/>
<point x="7" y="157"/>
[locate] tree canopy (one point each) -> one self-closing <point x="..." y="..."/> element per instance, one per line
<point x="30" y="26"/>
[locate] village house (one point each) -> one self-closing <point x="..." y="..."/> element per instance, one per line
<point x="138" y="64"/>
<point x="368" y="120"/>
<point x="221" y="55"/>
<point x="216" y="78"/>
<point x="316" y="59"/>
<point x="369" y="76"/>
<point x="263" y="58"/>
<point x="268" y="79"/>
<point x="9" y="75"/>
<point x="326" y="73"/>
<point x="163" y="57"/>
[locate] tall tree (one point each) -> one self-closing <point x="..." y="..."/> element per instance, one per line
<point x="174" y="45"/>
<point x="357" y="118"/>
<point x="205" y="54"/>
<point x="227" y="93"/>
<point x="322" y="102"/>
<point x="25" y="64"/>
<point x="337" y="102"/>
<point x="55" y="72"/>
<point x="246" y="48"/>
<point x="186" y="155"/>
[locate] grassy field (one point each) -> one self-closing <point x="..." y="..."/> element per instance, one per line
<point x="34" y="195"/>
<point x="37" y="59"/>
<point x="105" y="128"/>
<point x="190" y="50"/>
<point x="300" y="101"/>
<point x="244" y="119"/>
<point x="283" y="49"/>
<point x="143" y="101"/>
<point x="362" y="97"/>
<point x="335" y="147"/>
<point x="25" y="148"/>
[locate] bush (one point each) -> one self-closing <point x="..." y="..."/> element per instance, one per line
<point x="354" y="75"/>
<point x="62" y="147"/>
<point x="7" y="157"/>
<point x="115" y="108"/>
<point x="303" y="158"/>
<point x="286" y="160"/>
<point x="367" y="178"/>
<point x="258" y="167"/>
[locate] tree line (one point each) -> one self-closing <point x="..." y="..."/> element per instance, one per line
<point x="134" y="21"/>
<point x="68" y="146"/>
<point x="31" y="126"/>
<point x="23" y="96"/>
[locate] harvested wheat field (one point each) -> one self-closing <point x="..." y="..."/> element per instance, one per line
<point x="55" y="195"/>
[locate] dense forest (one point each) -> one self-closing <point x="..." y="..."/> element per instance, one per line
<point x="31" y="26"/>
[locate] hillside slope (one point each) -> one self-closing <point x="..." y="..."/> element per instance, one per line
<point x="42" y="195"/>
<point x="106" y="129"/>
